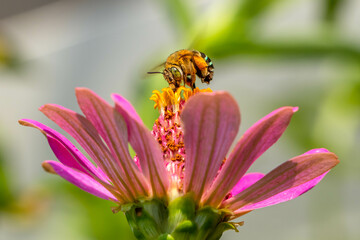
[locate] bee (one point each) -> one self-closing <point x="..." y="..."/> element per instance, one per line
<point x="182" y="67"/>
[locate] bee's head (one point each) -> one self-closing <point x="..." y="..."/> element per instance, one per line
<point x="173" y="75"/>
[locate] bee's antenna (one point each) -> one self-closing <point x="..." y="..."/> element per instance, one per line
<point x="154" y="72"/>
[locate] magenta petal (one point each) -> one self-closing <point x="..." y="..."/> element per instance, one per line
<point x="126" y="108"/>
<point x="316" y="150"/>
<point x="288" y="194"/>
<point x="146" y="148"/>
<point x="65" y="151"/>
<point x="87" y="136"/>
<point x="291" y="174"/>
<point x="112" y="128"/>
<point x="211" y="122"/>
<point x="79" y="179"/>
<point x="246" y="181"/>
<point x="255" y="141"/>
<point x="285" y="195"/>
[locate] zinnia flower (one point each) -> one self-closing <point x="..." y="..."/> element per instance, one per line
<point x="181" y="184"/>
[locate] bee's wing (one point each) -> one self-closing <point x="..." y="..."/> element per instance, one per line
<point x="158" y="67"/>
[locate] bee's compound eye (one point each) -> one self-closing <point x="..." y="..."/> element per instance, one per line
<point x="176" y="73"/>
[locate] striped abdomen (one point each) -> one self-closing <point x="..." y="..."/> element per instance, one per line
<point x="210" y="68"/>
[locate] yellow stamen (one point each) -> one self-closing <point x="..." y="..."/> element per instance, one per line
<point x="170" y="98"/>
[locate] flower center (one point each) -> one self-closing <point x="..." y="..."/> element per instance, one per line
<point x="168" y="132"/>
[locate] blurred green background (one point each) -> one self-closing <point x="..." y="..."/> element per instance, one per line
<point x="267" y="54"/>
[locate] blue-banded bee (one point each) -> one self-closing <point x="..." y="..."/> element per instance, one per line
<point x="182" y="67"/>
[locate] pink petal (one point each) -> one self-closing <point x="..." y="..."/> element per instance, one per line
<point x="255" y="141"/>
<point x="316" y="150"/>
<point x="290" y="193"/>
<point x="112" y="128"/>
<point x="292" y="173"/>
<point x="126" y="108"/>
<point x="246" y="181"/>
<point x="211" y="122"/>
<point x="79" y="179"/>
<point x="285" y="195"/>
<point x="86" y="135"/>
<point x="65" y="151"/>
<point x="147" y="149"/>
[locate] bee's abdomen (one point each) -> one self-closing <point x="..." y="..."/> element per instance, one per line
<point x="210" y="68"/>
<point x="207" y="59"/>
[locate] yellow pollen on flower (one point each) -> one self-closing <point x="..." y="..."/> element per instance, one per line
<point x="170" y="98"/>
<point x="168" y="132"/>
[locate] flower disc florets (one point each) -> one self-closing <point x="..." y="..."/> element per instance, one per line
<point x="168" y="131"/>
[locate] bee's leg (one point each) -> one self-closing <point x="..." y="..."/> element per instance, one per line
<point x="200" y="69"/>
<point x="190" y="82"/>
<point x="185" y="78"/>
<point x="203" y="76"/>
<point x="202" y="73"/>
<point x="193" y="86"/>
<point x="172" y="86"/>
<point x="193" y="77"/>
<point x="185" y="73"/>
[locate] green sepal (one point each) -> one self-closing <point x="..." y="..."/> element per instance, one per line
<point x="186" y="226"/>
<point x="147" y="220"/>
<point x="180" y="209"/>
<point x="207" y="219"/>
<point x="134" y="226"/>
<point x="220" y="229"/>
<point x="126" y="207"/>
<point x="180" y="219"/>
<point x="184" y="230"/>
<point x="166" y="237"/>
<point x="157" y="210"/>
